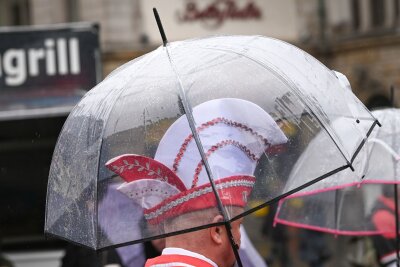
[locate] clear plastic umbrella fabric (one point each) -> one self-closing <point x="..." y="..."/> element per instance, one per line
<point x="343" y="203"/>
<point x="194" y="129"/>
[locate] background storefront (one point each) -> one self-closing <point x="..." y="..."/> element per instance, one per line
<point x="44" y="72"/>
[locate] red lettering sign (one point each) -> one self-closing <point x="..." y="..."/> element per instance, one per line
<point x="214" y="14"/>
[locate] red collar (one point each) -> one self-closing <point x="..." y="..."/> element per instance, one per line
<point x="177" y="260"/>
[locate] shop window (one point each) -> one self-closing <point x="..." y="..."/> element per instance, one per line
<point x="377" y="8"/>
<point x="72" y="10"/>
<point x="355" y="10"/>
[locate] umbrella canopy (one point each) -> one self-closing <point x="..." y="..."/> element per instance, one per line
<point x="193" y="129"/>
<point x="343" y="203"/>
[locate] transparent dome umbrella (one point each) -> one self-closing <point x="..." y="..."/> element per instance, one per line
<point x="195" y="127"/>
<point x="116" y="206"/>
<point x="344" y="203"/>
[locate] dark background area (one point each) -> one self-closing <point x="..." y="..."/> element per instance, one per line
<point x="26" y="148"/>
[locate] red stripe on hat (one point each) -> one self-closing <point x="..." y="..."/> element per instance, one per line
<point x="207" y="124"/>
<point x="133" y="167"/>
<point x="215" y="148"/>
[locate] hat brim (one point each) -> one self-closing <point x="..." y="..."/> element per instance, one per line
<point x="232" y="191"/>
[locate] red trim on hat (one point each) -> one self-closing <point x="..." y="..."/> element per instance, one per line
<point x="133" y="167"/>
<point x="233" y="191"/>
<point x="207" y="124"/>
<point x="215" y="148"/>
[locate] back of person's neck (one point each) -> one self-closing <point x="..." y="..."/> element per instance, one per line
<point x="182" y="251"/>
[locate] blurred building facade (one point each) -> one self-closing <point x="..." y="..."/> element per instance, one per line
<point x="360" y="38"/>
<point x="357" y="37"/>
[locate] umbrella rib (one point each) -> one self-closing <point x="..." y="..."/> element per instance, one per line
<point x="188" y="111"/>
<point x="50" y="235"/>
<point x="189" y="230"/>
<point x="395" y="188"/>
<point x="376" y="122"/>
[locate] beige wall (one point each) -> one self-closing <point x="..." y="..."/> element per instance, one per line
<point x="372" y="63"/>
<point x="47" y="11"/>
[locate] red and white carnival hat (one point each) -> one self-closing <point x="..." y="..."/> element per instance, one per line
<point x="234" y="134"/>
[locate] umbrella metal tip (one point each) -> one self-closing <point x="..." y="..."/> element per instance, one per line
<point x="160" y="26"/>
<point x="155" y="12"/>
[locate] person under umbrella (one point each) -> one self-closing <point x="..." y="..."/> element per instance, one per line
<point x="346" y="205"/>
<point x="183" y="194"/>
<point x="136" y="255"/>
<point x="383" y="220"/>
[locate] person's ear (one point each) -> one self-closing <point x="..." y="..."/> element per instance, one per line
<point x="217" y="232"/>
